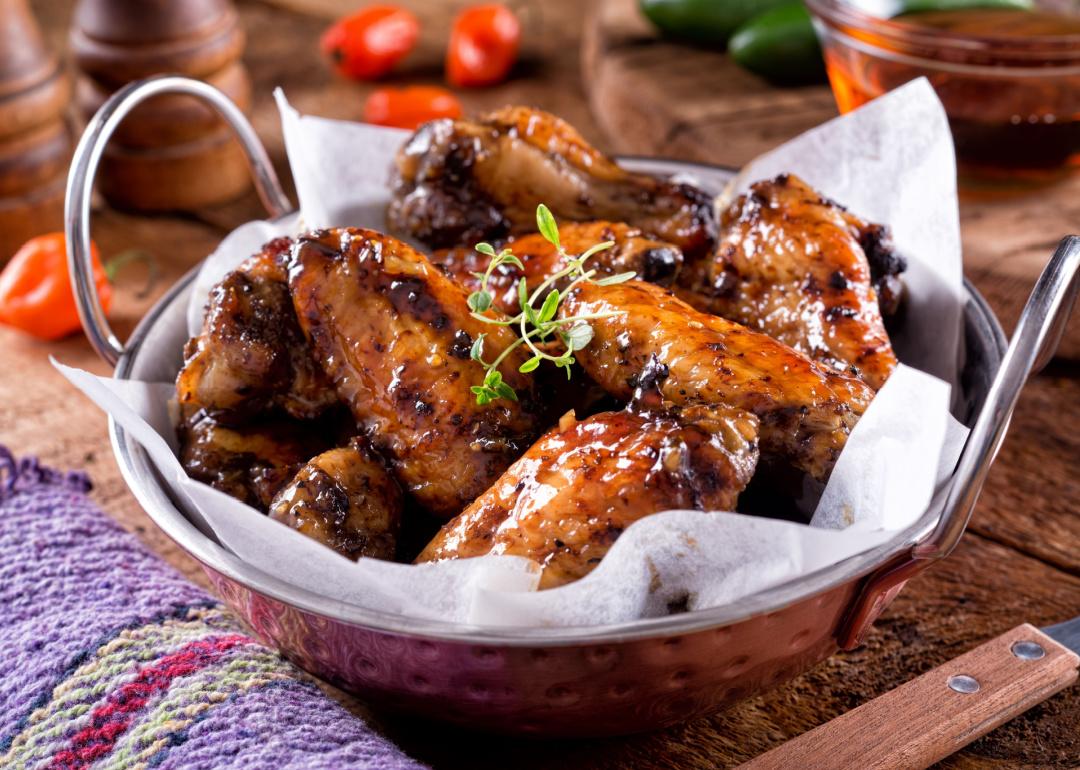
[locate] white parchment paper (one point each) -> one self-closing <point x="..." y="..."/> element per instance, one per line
<point x="891" y="162"/>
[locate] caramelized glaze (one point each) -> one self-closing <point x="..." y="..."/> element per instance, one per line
<point x="251" y="356"/>
<point x="571" y="495"/>
<point x="252" y="462"/>
<point x="806" y="410"/>
<point x="345" y="499"/>
<point x="791" y="264"/>
<point x="394" y="335"/>
<point x="462" y="181"/>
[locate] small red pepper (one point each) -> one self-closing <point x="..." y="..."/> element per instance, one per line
<point x="369" y="43"/>
<point x="483" y="45"/>
<point x="35" y="289"/>
<point x="411" y="106"/>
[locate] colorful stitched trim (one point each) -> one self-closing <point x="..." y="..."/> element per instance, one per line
<point x="111" y="660"/>
<point x="112" y="718"/>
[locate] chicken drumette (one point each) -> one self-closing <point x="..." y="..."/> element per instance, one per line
<point x="795" y="266"/>
<point x="345" y="499"/>
<point x="252" y="462"/>
<point x="633" y="251"/>
<point x="568" y="498"/>
<point x="462" y="181"/>
<point x="251" y="357"/>
<point x="394" y="335"/>
<point x="648" y="335"/>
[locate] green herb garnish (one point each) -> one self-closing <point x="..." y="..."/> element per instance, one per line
<point x="536" y="324"/>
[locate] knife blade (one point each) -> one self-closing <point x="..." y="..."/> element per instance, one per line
<point x="1067" y="633"/>
<point x="927" y="719"/>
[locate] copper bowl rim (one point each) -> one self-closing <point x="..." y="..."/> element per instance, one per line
<point x="144" y="482"/>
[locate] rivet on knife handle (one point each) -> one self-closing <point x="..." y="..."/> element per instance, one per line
<point x="940" y="712"/>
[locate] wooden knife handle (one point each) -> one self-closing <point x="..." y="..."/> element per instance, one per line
<point x="940" y="712"/>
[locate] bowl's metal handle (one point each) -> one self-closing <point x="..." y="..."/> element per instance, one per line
<point x="1033" y="344"/>
<point x="84" y="165"/>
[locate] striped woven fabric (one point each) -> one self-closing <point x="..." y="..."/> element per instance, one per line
<point x="110" y="659"/>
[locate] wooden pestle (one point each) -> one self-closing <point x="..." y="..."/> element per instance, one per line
<point x="172" y="152"/>
<point x="35" y="138"/>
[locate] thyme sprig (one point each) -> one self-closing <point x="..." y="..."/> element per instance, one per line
<point x="536" y="325"/>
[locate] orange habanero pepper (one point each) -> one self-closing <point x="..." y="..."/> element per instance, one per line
<point x="483" y="45"/>
<point x="411" y="106"/>
<point x="367" y="44"/>
<point x="35" y="289"/>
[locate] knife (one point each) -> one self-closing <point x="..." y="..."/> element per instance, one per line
<point x="940" y="712"/>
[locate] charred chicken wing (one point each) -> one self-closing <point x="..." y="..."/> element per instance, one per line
<point x="394" y="334"/>
<point x="792" y="265"/>
<point x="251" y="463"/>
<point x="652" y="260"/>
<point x="567" y="500"/>
<point x="806" y="410"/>
<point x="347" y="500"/>
<point x="251" y="356"/>
<point x="460" y="181"/>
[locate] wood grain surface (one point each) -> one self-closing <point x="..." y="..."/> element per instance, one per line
<point x="1020" y="563"/>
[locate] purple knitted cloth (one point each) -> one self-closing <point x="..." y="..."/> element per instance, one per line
<point x="110" y="659"/>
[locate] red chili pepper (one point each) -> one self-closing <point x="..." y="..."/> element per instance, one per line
<point x="483" y="45"/>
<point x="367" y="44"/>
<point x="35" y="290"/>
<point x="411" y="106"/>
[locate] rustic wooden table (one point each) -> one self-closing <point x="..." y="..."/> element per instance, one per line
<point x="1019" y="562"/>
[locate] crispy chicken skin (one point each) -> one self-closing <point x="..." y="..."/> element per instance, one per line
<point x="347" y="500"/>
<point x="251" y="356"/>
<point x="250" y="463"/>
<point x="394" y="335"/>
<point x="567" y="500"/>
<point x="462" y="181"/>
<point x="806" y="410"/>
<point x="790" y="264"/>
<point x="633" y="251"/>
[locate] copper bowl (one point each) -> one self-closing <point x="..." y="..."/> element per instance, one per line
<point x="598" y="680"/>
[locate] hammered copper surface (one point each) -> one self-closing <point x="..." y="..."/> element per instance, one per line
<point x="555" y="690"/>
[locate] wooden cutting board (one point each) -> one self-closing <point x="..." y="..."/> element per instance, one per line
<point x="656" y="97"/>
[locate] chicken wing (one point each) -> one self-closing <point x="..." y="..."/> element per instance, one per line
<point x="567" y="500"/>
<point x="790" y="264"/>
<point x="250" y="463"/>
<point x="633" y="251"/>
<point x="347" y="500"/>
<point x="394" y="334"/>
<point x="251" y="357"/>
<point x="462" y="181"/>
<point x="806" y="410"/>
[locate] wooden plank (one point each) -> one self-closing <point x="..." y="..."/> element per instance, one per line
<point x="655" y="97"/>
<point x="982" y="590"/>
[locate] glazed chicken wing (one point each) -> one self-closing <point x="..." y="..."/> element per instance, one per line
<point x="462" y="181"/>
<point x="633" y="251"/>
<point x="394" y="334"/>
<point x="791" y="264"/>
<point x="251" y="356"/>
<point x="250" y="463"/>
<point x="806" y="410"/>
<point x="347" y="500"/>
<point x="567" y="500"/>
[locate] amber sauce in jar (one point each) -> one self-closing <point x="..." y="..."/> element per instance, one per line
<point x="1013" y="98"/>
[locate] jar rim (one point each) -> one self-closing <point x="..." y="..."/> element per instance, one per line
<point x="1006" y="49"/>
